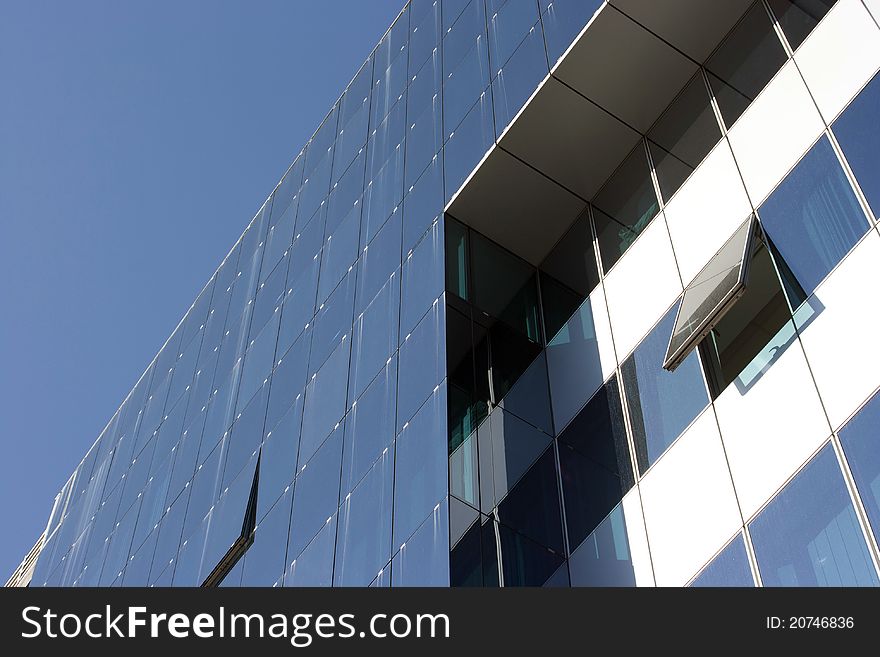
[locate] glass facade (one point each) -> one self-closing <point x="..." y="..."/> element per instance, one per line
<point x="372" y="390"/>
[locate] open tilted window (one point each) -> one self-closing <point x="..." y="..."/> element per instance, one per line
<point x="711" y="294"/>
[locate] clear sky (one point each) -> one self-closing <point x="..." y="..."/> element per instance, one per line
<point x="137" y="139"/>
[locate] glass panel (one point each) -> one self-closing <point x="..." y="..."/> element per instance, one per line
<point x="169" y="536"/>
<point x="573" y="365"/>
<point x="457" y="259"/>
<point x="460" y="37"/>
<point x="603" y="559"/>
<point x="315" y="189"/>
<point x="813" y="217"/>
<point x="524" y="562"/>
<point x="170" y="430"/>
<point x="520" y="75"/>
<point x="258" y="362"/>
<point x="468" y="143"/>
<point x="369" y="427"/>
<point x="532" y="506"/>
<point x="332" y="322"/>
<point x="340" y="252"/>
<point x="298" y="308"/>
<point x="245" y="437"/>
<point x="314" y="565"/>
<point x="204" y="490"/>
<point x="424" y="559"/>
<point x="388" y="88"/>
<point x="364" y="536"/>
<point x="661" y="404"/>
<point x="345" y="195"/>
<point x="374" y="338"/>
<point x="379" y="260"/>
<point x="514" y="446"/>
<point x="464" y="84"/>
<point x="797" y="18"/>
<point x="425" y="32"/>
<point x="420" y="477"/>
<point x="729" y="568"/>
<point x="322" y="141"/>
<point x="710" y="294"/>
<point x="386" y="141"/>
<point x="325" y="401"/>
<point x="422" y="278"/>
<point x="306" y="245"/>
<point x="809" y="534"/>
<point x="745" y="62"/>
<point x="288" y="380"/>
<point x="509" y="24"/>
<point x="186" y="454"/>
<point x="270" y="295"/>
<point x="264" y="561"/>
<point x="279" y="240"/>
<point x="424" y="135"/>
<point x="278" y="457"/>
<point x="196" y="315"/>
<point x="529" y="398"/>
<point x="183" y="370"/>
<point x="422" y="362"/>
<point x="423" y="203"/>
<point x="382" y="195"/>
<point x="857" y="134"/>
<point x="627" y="203"/>
<point x="572" y="261"/>
<point x="683" y="136"/>
<point x="860" y="438"/>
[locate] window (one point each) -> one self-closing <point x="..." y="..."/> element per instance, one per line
<point x="809" y="534"/>
<point x="730" y="567"/>
<point x="857" y="134"/>
<point x="813" y="217"/>
<point x="797" y="18"/>
<point x="661" y="404"/>
<point x="711" y="294"/>
<point x="860" y="438"/>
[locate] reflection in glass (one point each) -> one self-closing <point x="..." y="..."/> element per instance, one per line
<point x="856" y="132"/>
<point x="809" y="534"/>
<point x="729" y="568"/>
<point x="603" y="559"/>
<point x="860" y="438"/>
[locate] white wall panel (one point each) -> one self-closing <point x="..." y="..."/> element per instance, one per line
<point x="840" y="343"/>
<point x="641" y="286"/>
<point x="771" y="428"/>
<point x="774" y="132"/>
<point x="840" y="56"/>
<point x="706" y="211"/>
<point x="689" y="504"/>
<point x="638" y="539"/>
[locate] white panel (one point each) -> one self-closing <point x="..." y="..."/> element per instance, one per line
<point x="602" y="326"/>
<point x="774" y="132"/>
<point x="874" y="8"/>
<point x="689" y="504"/>
<point x="840" y="344"/>
<point x="771" y="428"/>
<point x="706" y="211"/>
<point x="641" y="286"/>
<point x="638" y="539"/>
<point x="840" y="56"/>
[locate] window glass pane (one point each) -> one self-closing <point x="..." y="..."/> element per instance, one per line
<point x="316" y="187"/>
<point x="264" y="559"/>
<point x="258" y="361"/>
<point x="809" y="534"/>
<point x="325" y="401"/>
<point x="422" y="278"/>
<point x="382" y="195"/>
<point x="288" y="380"/>
<point x="573" y="365"/>
<point x="509" y="24"/>
<point x="186" y="454"/>
<point x="314" y="565"/>
<point x="420" y="477"/>
<point x="378" y="261"/>
<point x="523" y="562"/>
<point x="745" y="62"/>
<point x="532" y="506"/>
<point x="278" y="240"/>
<point x="278" y="457"/>
<point x="339" y="253"/>
<point x="425" y="32"/>
<point x="243" y="440"/>
<point x="306" y="245"/>
<point x="196" y="315"/>
<point x="460" y="37"/>
<point x="856" y="131"/>
<point x="322" y="141"/>
<point x="369" y="427"/>
<point x="298" y="308"/>
<point x="169" y="536"/>
<point x="332" y="322"/>
<point x="204" y="490"/>
<point x="288" y="188"/>
<point x="170" y="430"/>
<point x="627" y="203"/>
<point x="424" y="559"/>
<point x="423" y="203"/>
<point x="729" y="568"/>
<point x="520" y="75"/>
<point x="422" y="362"/>
<point x="529" y="397"/>
<point x="683" y="136"/>
<point x="572" y="261"/>
<point x="604" y="559"/>
<point x="468" y="143"/>
<point x="813" y="217"/>
<point x="184" y="369"/>
<point x="389" y="87"/>
<point x="464" y="84"/>
<point x="710" y="294"/>
<point x="661" y="404"/>
<point x="315" y="493"/>
<point x="860" y="437"/>
<point x="374" y="338"/>
<point x="457" y="259"/>
<point x="345" y="195"/>
<point x="386" y="140"/>
<point x="797" y="18"/>
<point x="363" y="544"/>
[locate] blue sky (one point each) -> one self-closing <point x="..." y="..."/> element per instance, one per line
<point x="137" y="139"/>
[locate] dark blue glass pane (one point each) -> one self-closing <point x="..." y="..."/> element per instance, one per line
<point x="861" y="439"/>
<point x="424" y="559"/>
<point x="813" y="217"/>
<point x="422" y="362"/>
<point x="856" y="131"/>
<point x="729" y="568"/>
<point x="603" y="559"/>
<point x="314" y="565"/>
<point x="278" y="458"/>
<point x="809" y="534"/>
<point x="264" y="560"/>
<point x="518" y="77"/>
<point x="325" y="401"/>
<point x="374" y="338"/>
